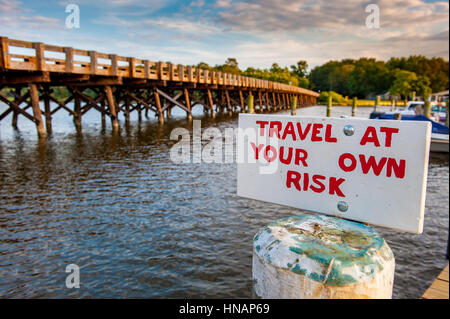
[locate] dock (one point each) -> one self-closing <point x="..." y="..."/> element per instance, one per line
<point x="439" y="288"/>
<point x="113" y="84"/>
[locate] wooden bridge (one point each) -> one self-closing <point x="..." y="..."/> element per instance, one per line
<point x="112" y="84"/>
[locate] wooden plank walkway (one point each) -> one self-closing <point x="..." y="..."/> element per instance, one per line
<point x="113" y="85"/>
<point x="439" y="288"/>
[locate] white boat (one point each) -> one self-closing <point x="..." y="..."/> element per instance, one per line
<point x="439" y="143"/>
<point x="417" y="107"/>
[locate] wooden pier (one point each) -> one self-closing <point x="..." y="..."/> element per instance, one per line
<point x="439" y="288"/>
<point x="114" y="84"/>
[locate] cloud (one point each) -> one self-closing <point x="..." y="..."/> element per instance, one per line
<point x="9" y="6"/>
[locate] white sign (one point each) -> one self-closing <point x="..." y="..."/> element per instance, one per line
<point x="372" y="171"/>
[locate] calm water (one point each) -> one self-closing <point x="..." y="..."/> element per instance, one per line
<point x="139" y="225"/>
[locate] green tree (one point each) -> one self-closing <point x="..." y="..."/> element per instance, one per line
<point x="404" y="83"/>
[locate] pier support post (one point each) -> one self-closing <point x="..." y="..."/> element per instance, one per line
<point x="211" y="103"/>
<point x="294" y="105"/>
<point x="329" y="105"/>
<point x="15" y="114"/>
<point x="34" y="96"/>
<point x="321" y="257"/>
<point x="188" y="104"/>
<point x="354" y="102"/>
<point x="77" y="113"/>
<point x="250" y="104"/>
<point x="241" y="100"/>
<point x="48" y="112"/>
<point x="112" y="108"/>
<point x="103" y="115"/>
<point x="158" y="106"/>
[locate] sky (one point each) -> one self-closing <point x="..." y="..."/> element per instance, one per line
<point x="255" y="32"/>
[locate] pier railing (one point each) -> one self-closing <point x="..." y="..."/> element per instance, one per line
<point x="39" y="56"/>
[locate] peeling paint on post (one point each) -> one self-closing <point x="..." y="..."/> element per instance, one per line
<point x="321" y="257"/>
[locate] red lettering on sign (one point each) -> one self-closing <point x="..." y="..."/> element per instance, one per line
<point x="334" y="186"/>
<point x="276" y="130"/>
<point x="287" y="160"/>
<point x="342" y="164"/>
<point x="262" y="125"/>
<point x="289" y="130"/>
<point x="388" y="131"/>
<point x="370" y="136"/>
<point x="315" y="132"/>
<point x="303" y="134"/>
<point x="328" y="137"/>
<point x="300" y="156"/>
<point x="293" y="177"/>
<point x="273" y="150"/>
<point x="317" y="181"/>
<point x="399" y="169"/>
<point x="372" y="164"/>
<point x="256" y="149"/>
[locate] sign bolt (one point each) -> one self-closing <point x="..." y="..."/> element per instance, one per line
<point x="349" y="130"/>
<point x="342" y="206"/>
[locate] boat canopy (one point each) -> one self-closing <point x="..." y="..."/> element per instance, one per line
<point x="437" y="127"/>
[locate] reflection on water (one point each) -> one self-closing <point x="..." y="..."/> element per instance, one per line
<point x="139" y="225"/>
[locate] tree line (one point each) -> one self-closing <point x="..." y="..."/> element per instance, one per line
<point x="350" y="77"/>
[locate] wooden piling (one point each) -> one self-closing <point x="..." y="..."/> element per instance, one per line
<point x="427" y="109"/>
<point x="294" y="105"/>
<point x="241" y="100"/>
<point x="112" y="107"/>
<point x="354" y="103"/>
<point x="250" y="104"/>
<point x="329" y="105"/>
<point x="15" y="114"/>
<point x="188" y="104"/>
<point x="313" y="257"/>
<point x="47" y="110"/>
<point x="34" y="97"/>
<point x="77" y="112"/>
<point x="158" y="106"/>
<point x="211" y="103"/>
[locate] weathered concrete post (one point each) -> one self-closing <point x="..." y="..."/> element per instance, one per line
<point x="321" y="257"/>
<point x="354" y="106"/>
<point x="329" y="104"/>
<point x="251" y="110"/>
<point x="294" y="105"/>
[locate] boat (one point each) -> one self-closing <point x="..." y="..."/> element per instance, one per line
<point x="439" y="132"/>
<point x="417" y="107"/>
